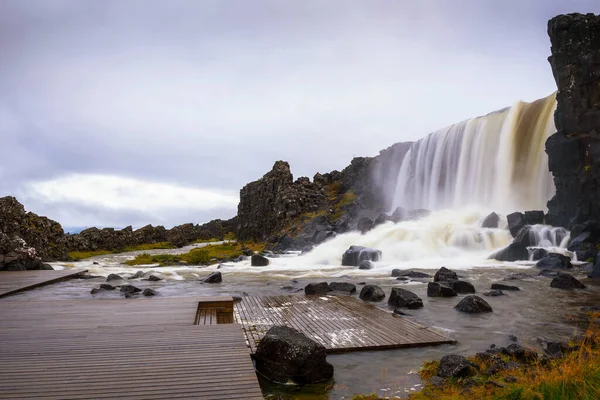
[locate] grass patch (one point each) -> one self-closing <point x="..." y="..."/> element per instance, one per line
<point x="201" y="256"/>
<point x="347" y="198"/>
<point x="82" y="255"/>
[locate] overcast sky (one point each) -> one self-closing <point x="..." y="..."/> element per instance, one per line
<point x="133" y="112"/>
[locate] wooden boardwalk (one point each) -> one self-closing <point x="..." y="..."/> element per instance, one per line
<point x="18" y="281"/>
<point x="126" y="348"/>
<point x="340" y="323"/>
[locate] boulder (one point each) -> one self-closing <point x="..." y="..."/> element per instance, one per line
<point x="566" y="281"/>
<point x="366" y="264"/>
<point x="521" y="353"/>
<point x="513" y="252"/>
<point x="342" y="287"/>
<point x="356" y="254"/>
<point x="516" y="221"/>
<point x="317" y="288"/>
<point x="455" y="366"/>
<point x="538" y="254"/>
<point x="149" y="292"/>
<point x="401" y="298"/>
<point x="106" y="286"/>
<point x="372" y="293"/>
<point x="491" y="221"/>
<point x="439" y="289"/>
<point x="494" y="293"/>
<point x="445" y="275"/>
<point x="259" y="261"/>
<point x="154" y="278"/>
<point x="534" y="217"/>
<point x="473" y="305"/>
<point x="462" y="287"/>
<point x="113" y="277"/>
<point x="130" y="289"/>
<point x="554" y="261"/>
<point x="138" y="274"/>
<point x="215" y="277"/>
<point x="409" y="274"/>
<point x="286" y="355"/>
<point x="500" y="286"/>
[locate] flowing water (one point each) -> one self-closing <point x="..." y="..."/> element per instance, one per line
<point x="492" y="163"/>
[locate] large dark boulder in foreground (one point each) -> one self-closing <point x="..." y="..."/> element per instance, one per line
<point x="512" y="252"/>
<point x="554" y="261"/>
<point x="285" y="355"/>
<point x="516" y="221"/>
<point x="491" y="221"/>
<point x="400" y="298"/>
<point x="445" y="275"/>
<point x="342" y="287"/>
<point x="372" y="293"/>
<point x="473" y="305"/>
<point x="215" y="277"/>
<point x="317" y="288"/>
<point x="566" y="281"/>
<point x="259" y="261"/>
<point x="439" y="289"/>
<point x="455" y="366"/>
<point x="355" y="254"/>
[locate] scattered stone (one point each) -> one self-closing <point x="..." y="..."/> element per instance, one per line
<point x="473" y="305"/>
<point x="113" y="277"/>
<point x="455" y="366"/>
<point x="491" y="221"/>
<point x="439" y="289"/>
<point x="444" y="275"/>
<point x="106" y="286"/>
<point x="366" y="264"/>
<point x="149" y="292"/>
<point x="355" y="254"/>
<point x="138" y="274"/>
<point x="521" y="353"/>
<point x="557" y="348"/>
<point x="95" y="263"/>
<point x="403" y="298"/>
<point x="130" y="289"/>
<point x="554" y="261"/>
<point x="516" y="221"/>
<point x="462" y="287"/>
<point x="256" y="260"/>
<point x="215" y="277"/>
<point x="285" y="355"/>
<point x="409" y="274"/>
<point x="342" y="287"/>
<point x="317" y="288"/>
<point x="566" y="281"/>
<point x="512" y="252"/>
<point x="500" y="286"/>
<point x="154" y="278"/>
<point x="494" y="293"/>
<point x="372" y="293"/>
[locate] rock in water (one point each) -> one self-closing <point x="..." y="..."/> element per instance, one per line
<point x="554" y="261"/>
<point x="106" y="286"/>
<point x="130" y="289"/>
<point x="285" y="355"/>
<point x="154" y="278"/>
<point x="149" y="292"/>
<point x="454" y="366"/>
<point x="439" y="289"/>
<point x="113" y="277"/>
<point x="473" y="305"/>
<point x="566" y="281"/>
<point x="513" y="252"/>
<point x="494" y="293"/>
<point x="366" y="264"/>
<point x="491" y="221"/>
<point x="445" y="275"/>
<point x="259" y="261"/>
<point x="342" y="287"/>
<point x="535" y="217"/>
<point x="355" y="254"/>
<point x="403" y="298"/>
<point x="500" y="286"/>
<point x="409" y="274"/>
<point x="462" y="287"/>
<point x="538" y="254"/>
<point x="317" y="288"/>
<point x="516" y="221"/>
<point x="215" y="277"/>
<point x="372" y="293"/>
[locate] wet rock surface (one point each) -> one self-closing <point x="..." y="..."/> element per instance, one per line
<point x="401" y="298"/>
<point x="440" y="289"/>
<point x="317" y="288"/>
<point x="473" y="305"/>
<point x="372" y="293"/>
<point x="566" y="281"/>
<point x="455" y="366"/>
<point x="357" y="254"/>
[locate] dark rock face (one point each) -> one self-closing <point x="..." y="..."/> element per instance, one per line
<point x="535" y="217"/>
<point x="445" y="275"/>
<point x="259" y="261"/>
<point x="526" y="237"/>
<point x="439" y="289"/>
<point x="566" y="281"/>
<point x="513" y="252"/>
<point x="365" y="224"/>
<point x="554" y="261"/>
<point x="462" y="287"/>
<point x="400" y="298"/>
<point x="500" y="286"/>
<point x="595" y="272"/>
<point x="342" y="287"/>
<point x="574" y="151"/>
<point x="317" y="288"/>
<point x="285" y="355"/>
<point x="454" y="366"/>
<point x="215" y="277"/>
<point x="372" y="293"/>
<point x="409" y="274"/>
<point x="356" y="254"/>
<point x="491" y="221"/>
<point x="473" y="305"/>
<point x="516" y="221"/>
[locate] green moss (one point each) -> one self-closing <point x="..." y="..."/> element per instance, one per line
<point x="82" y="255"/>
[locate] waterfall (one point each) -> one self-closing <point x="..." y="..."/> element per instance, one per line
<point x="496" y="162"/>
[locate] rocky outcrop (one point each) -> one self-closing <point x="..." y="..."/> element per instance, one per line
<point x="574" y="151"/>
<point x="15" y="255"/>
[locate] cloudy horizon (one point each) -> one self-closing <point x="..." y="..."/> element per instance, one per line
<point x="129" y="112"/>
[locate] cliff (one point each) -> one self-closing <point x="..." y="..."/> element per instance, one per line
<point x="574" y="151"/>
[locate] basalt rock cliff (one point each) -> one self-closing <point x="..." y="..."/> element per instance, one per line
<point x="574" y="151"/>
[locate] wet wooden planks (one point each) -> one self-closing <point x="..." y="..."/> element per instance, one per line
<point x="132" y="349"/>
<point x="340" y="323"/>
<point x="18" y="281"/>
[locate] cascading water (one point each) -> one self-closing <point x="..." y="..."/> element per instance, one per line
<point x="496" y="161"/>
